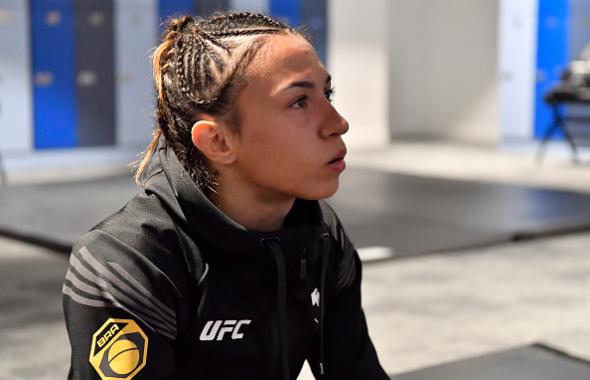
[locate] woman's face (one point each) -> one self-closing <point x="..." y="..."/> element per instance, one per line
<point x="290" y="140"/>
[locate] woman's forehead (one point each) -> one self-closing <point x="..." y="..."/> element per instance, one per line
<point x="284" y="58"/>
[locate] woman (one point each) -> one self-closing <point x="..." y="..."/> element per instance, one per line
<point x="226" y="266"/>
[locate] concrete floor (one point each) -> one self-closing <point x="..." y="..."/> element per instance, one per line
<point x="510" y="163"/>
<point x="421" y="311"/>
<point x="434" y="309"/>
<point x="33" y="341"/>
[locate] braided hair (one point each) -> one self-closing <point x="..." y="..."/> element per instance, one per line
<point x="198" y="69"/>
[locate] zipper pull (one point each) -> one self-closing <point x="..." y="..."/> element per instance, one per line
<point x="303" y="266"/>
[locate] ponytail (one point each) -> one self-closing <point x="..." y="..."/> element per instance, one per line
<point x="146" y="155"/>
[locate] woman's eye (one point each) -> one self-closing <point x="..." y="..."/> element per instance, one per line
<point x="301" y="102"/>
<point x="329" y="93"/>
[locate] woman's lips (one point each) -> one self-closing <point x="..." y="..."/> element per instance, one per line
<point x="338" y="165"/>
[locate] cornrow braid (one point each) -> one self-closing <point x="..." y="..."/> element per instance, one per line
<point x="198" y="68"/>
<point x="243" y="32"/>
<point x="246" y="18"/>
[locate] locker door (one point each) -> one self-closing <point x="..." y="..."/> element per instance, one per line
<point x="208" y="7"/>
<point x="95" y="72"/>
<point x="15" y="79"/>
<point x="135" y="35"/>
<point x="552" y="55"/>
<point x="54" y="89"/>
<point x="287" y="10"/>
<point x="315" y="18"/>
<point x="169" y="8"/>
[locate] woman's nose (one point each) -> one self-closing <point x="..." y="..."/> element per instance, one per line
<point x="334" y="124"/>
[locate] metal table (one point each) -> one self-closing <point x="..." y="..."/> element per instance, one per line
<point x="562" y="95"/>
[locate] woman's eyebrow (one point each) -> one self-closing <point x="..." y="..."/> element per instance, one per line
<point x="304" y="84"/>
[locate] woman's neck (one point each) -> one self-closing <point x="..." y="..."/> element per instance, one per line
<point x="254" y="209"/>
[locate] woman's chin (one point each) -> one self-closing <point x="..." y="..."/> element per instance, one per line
<point x="324" y="191"/>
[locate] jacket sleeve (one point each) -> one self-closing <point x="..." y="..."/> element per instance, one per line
<point x="120" y="311"/>
<point x="349" y="352"/>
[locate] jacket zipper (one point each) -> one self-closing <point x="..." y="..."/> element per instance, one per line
<point x="303" y="265"/>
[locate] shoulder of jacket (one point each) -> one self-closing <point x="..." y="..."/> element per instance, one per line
<point x="145" y="225"/>
<point x="105" y="272"/>
<point x="142" y="237"/>
<point x="102" y="249"/>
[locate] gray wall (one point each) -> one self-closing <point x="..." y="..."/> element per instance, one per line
<point x="443" y="65"/>
<point x="357" y="60"/>
<point x="16" y="124"/>
<point x="135" y="36"/>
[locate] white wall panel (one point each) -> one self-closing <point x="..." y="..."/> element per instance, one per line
<point x="579" y="27"/>
<point x="136" y="32"/>
<point x="443" y="62"/>
<point x="517" y="35"/>
<point x="250" y="5"/>
<point x="463" y="70"/>
<point x="16" y="125"/>
<point x="357" y="59"/>
<point x="409" y="55"/>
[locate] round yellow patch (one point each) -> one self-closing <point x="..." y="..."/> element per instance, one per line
<point x="123" y="356"/>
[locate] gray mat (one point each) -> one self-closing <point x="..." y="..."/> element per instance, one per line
<point x="535" y="362"/>
<point x="55" y="214"/>
<point x="413" y="215"/>
<point x="33" y="341"/>
<point x="419" y="215"/>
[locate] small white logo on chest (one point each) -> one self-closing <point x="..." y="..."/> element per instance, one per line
<point x="315" y="297"/>
<point x="216" y="330"/>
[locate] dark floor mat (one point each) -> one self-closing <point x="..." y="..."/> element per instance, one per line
<point x="535" y="362"/>
<point x="418" y="214"/>
<point x="54" y="214"/>
<point x="410" y="214"/>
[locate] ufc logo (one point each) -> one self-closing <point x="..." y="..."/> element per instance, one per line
<point x="216" y="330"/>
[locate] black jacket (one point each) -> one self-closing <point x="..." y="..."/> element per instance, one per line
<point x="170" y="288"/>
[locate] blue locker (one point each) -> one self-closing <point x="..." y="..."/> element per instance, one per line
<point x="54" y="85"/>
<point x="552" y="55"/>
<point x="287" y="10"/>
<point x="168" y="8"/>
<point x="95" y="82"/>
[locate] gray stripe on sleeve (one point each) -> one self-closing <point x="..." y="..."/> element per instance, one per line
<point x="81" y="285"/>
<point x="140" y="299"/>
<point x="111" y="292"/>
<point x="142" y="289"/>
<point x="68" y="291"/>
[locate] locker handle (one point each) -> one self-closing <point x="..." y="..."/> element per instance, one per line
<point x="53" y="18"/>
<point x="126" y="77"/>
<point x="97" y="19"/>
<point x="4" y="16"/>
<point x="43" y="79"/>
<point x="87" y="78"/>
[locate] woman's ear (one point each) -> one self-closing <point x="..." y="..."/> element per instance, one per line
<point x="214" y="141"/>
